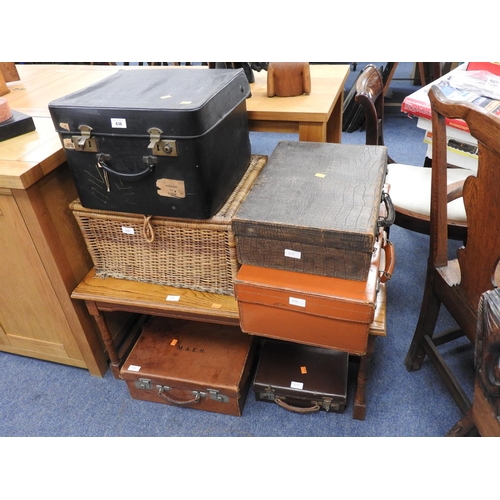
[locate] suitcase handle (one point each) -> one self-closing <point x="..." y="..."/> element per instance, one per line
<point x="390" y="217"/>
<point x="101" y="162"/>
<point x="162" y="394"/>
<point x="390" y="261"/>
<point x="296" y="409"/>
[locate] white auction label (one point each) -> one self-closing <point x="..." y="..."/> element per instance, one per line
<point x="293" y="254"/>
<point x="297" y="385"/>
<point x="118" y="123"/>
<point x="294" y="301"/>
<point x="173" y="298"/>
<point x="134" y="368"/>
<point x="128" y="230"/>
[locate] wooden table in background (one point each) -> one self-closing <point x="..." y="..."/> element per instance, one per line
<point x="316" y="117"/>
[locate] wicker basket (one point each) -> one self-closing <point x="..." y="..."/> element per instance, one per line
<point x="183" y="253"/>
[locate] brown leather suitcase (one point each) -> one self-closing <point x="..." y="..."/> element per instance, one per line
<point x="191" y="364"/>
<point x="310" y="309"/>
<point x="301" y="378"/>
<point x="315" y="208"/>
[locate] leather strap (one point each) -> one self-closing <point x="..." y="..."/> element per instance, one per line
<point x="162" y="394"/>
<point x="390" y="261"/>
<point x="296" y="409"/>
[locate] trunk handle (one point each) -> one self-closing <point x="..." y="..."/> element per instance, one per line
<point x="389" y="219"/>
<point x="103" y="158"/>
<point x="162" y="393"/>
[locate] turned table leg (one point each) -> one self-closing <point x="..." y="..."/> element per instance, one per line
<point x="106" y="337"/>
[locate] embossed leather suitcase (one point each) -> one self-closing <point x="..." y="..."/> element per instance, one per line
<point x="301" y="378"/>
<point x="160" y="141"/>
<point x="190" y="364"/>
<point x="310" y="309"/>
<point x="315" y="208"/>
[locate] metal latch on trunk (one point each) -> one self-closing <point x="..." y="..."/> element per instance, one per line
<point x="328" y="404"/>
<point x="85" y="142"/>
<point x="143" y="383"/>
<point x="217" y="396"/>
<point x="267" y="394"/>
<point x="159" y="146"/>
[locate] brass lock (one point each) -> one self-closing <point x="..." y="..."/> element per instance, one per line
<point x="143" y="383"/>
<point x="85" y="142"/>
<point x="159" y="146"/>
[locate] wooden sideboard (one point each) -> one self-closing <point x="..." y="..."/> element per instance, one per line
<point x="43" y="254"/>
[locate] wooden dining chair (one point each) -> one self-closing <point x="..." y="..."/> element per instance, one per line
<point x="458" y="284"/>
<point x="410" y="186"/>
<point x="483" y="417"/>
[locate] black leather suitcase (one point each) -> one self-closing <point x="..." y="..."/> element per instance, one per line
<point x="315" y="209"/>
<point x="190" y="364"/>
<point x="172" y="141"/>
<point x="301" y="378"/>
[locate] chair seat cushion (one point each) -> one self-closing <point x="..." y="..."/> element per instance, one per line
<point x="410" y="189"/>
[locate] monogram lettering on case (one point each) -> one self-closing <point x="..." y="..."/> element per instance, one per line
<point x="199" y="350"/>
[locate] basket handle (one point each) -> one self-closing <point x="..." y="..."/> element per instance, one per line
<point x="148" y="230"/>
<point x="296" y="409"/>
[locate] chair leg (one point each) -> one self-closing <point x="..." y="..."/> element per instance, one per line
<point x="446" y="375"/>
<point x="426" y="325"/>
<point x="423" y="344"/>
<point x="464" y="427"/>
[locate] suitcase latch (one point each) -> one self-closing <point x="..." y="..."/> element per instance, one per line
<point x="267" y="394"/>
<point x="217" y="396"/>
<point x="143" y="383"/>
<point x="159" y="146"/>
<point x="328" y="405"/>
<point x="85" y="142"/>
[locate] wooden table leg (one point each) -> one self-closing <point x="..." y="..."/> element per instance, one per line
<point x="312" y="131"/>
<point x="106" y="337"/>
<point x="334" y="124"/>
<point x="359" y="411"/>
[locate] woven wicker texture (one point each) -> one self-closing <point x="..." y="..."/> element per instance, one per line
<point x="183" y="253"/>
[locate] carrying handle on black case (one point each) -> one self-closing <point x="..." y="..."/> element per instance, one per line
<point x="102" y="159"/>
<point x="389" y="219"/>
<point x="296" y="409"/>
